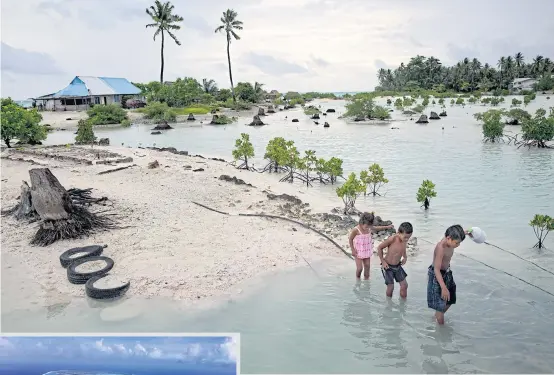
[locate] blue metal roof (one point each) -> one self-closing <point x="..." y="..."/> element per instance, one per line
<point x="87" y="86"/>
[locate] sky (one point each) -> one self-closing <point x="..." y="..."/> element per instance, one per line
<point x="289" y="45"/>
<point x="221" y="350"/>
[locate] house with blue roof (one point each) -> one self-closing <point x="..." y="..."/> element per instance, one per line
<point x="83" y="91"/>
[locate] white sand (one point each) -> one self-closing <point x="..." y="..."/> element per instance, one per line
<point x="59" y="119"/>
<point x="173" y="247"/>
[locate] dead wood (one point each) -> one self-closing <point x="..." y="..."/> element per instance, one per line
<point x="117" y="169"/>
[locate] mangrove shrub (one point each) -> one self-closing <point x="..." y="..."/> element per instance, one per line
<point x="85" y="133"/>
<point x="373" y="179"/>
<point x="425" y="192"/>
<point x="349" y="192"/>
<point x="539" y="129"/>
<point x="106" y="114"/>
<point x="542" y="225"/>
<point x="21" y="124"/>
<point x="243" y="151"/>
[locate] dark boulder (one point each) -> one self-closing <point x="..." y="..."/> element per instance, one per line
<point x="443" y="114"/>
<point x="294" y="120"/>
<point x="315" y="116"/>
<point x="163" y="125"/>
<point x="104" y="141"/>
<point x="191" y="117"/>
<point x="256" y="121"/>
<point x="326" y="125"/>
<point x="156" y="132"/>
<point x="434" y="116"/>
<point x="422" y="120"/>
<point x="330" y="110"/>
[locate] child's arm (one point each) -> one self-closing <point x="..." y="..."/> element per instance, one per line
<point x="383" y="227"/>
<point x="405" y="255"/>
<point x="353" y="234"/>
<point x="386" y="243"/>
<point x="437" y="263"/>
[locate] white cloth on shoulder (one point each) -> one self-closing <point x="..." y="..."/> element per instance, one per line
<point x="478" y="235"/>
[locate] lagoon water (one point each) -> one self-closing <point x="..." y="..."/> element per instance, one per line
<point x="300" y="321"/>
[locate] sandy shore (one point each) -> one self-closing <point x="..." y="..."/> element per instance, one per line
<point x="172" y="247"/>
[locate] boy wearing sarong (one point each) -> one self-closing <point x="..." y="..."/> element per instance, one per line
<point x="441" y="288"/>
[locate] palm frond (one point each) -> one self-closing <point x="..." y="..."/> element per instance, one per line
<point x="174" y="37"/>
<point x="157" y="33"/>
<point x="235" y="35"/>
<point x="152" y="25"/>
<point x="219" y="28"/>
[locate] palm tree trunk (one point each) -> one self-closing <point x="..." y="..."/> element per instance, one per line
<point x="162" y="56"/>
<point x="230" y="72"/>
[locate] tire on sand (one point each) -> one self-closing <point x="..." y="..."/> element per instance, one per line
<point x="76" y="277"/>
<point x="86" y="251"/>
<point x="104" y="293"/>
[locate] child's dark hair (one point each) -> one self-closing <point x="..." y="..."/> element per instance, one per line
<point x="406" y="228"/>
<point x="367" y="218"/>
<point x="455" y="232"/>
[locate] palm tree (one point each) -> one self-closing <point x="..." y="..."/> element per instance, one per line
<point x="164" y="21"/>
<point x="209" y="86"/>
<point x="537" y="65"/>
<point x="519" y="63"/>
<point x="259" y="91"/>
<point x="230" y="23"/>
<point x="501" y="64"/>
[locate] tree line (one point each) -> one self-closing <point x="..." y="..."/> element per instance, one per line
<point x="468" y="75"/>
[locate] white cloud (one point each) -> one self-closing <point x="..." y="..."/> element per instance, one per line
<point x="301" y="45"/>
<point x="231" y="349"/>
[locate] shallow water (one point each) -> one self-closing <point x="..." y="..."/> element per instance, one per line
<point x="302" y="322"/>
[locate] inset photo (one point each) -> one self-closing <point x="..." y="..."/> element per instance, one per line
<point x="142" y="354"/>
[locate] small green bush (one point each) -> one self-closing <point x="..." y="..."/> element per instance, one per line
<point x="106" y="114"/>
<point x="159" y="112"/>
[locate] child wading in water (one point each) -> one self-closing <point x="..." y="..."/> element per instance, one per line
<point x="391" y="264"/>
<point x="441" y="288"/>
<point x="361" y="243"/>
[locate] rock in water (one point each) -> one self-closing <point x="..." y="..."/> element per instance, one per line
<point x="104" y="141"/>
<point x="294" y="120"/>
<point x="326" y="125"/>
<point x="256" y="121"/>
<point x="443" y="114"/>
<point x="191" y="117"/>
<point x="315" y="116"/>
<point x="156" y="132"/>
<point x="434" y="116"/>
<point x="330" y="110"/>
<point x="270" y="109"/>
<point x="422" y="120"/>
<point x="214" y="120"/>
<point x="163" y="125"/>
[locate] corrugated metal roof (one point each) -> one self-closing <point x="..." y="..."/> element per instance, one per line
<point x="87" y="86"/>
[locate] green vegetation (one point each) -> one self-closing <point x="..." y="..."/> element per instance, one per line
<point x="223" y="120"/>
<point x="106" y="114"/>
<point x="418" y="108"/>
<point x="468" y="75"/>
<point x="243" y="151"/>
<point x="229" y="25"/>
<point x="373" y="179"/>
<point x="21" y="124"/>
<point x="460" y="101"/>
<point x="542" y="225"/>
<point x="126" y="123"/>
<point x="539" y="129"/>
<point x="164" y="22"/>
<point x="350" y="191"/>
<point x="306" y="165"/>
<point x="247" y="92"/>
<point x="528" y="98"/>
<point x="85" y="133"/>
<point x="425" y="192"/>
<point x="311" y="110"/>
<point x="516" y="102"/>
<point x="493" y="127"/>
<point x="365" y="109"/>
<point x="159" y="112"/>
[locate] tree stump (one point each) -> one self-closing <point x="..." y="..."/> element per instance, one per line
<point x="261" y="112"/>
<point x="256" y="121"/>
<point x="60" y="217"/>
<point x="25" y="207"/>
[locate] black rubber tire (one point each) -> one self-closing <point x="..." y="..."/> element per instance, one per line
<point x="98" y="293"/>
<point x="75" y="277"/>
<point x="89" y="251"/>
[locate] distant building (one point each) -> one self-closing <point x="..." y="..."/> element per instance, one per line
<point x="522" y="84"/>
<point x="84" y="91"/>
<point x="272" y="95"/>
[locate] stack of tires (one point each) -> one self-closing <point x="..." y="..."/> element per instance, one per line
<point x="70" y="260"/>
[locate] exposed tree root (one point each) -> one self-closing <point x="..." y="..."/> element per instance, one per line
<point x="285" y="219"/>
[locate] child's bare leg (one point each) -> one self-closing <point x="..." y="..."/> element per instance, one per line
<point x="367" y="264"/>
<point x="440" y="317"/>
<point x="403" y="289"/>
<point x="390" y="289"/>
<point x="359" y="267"/>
